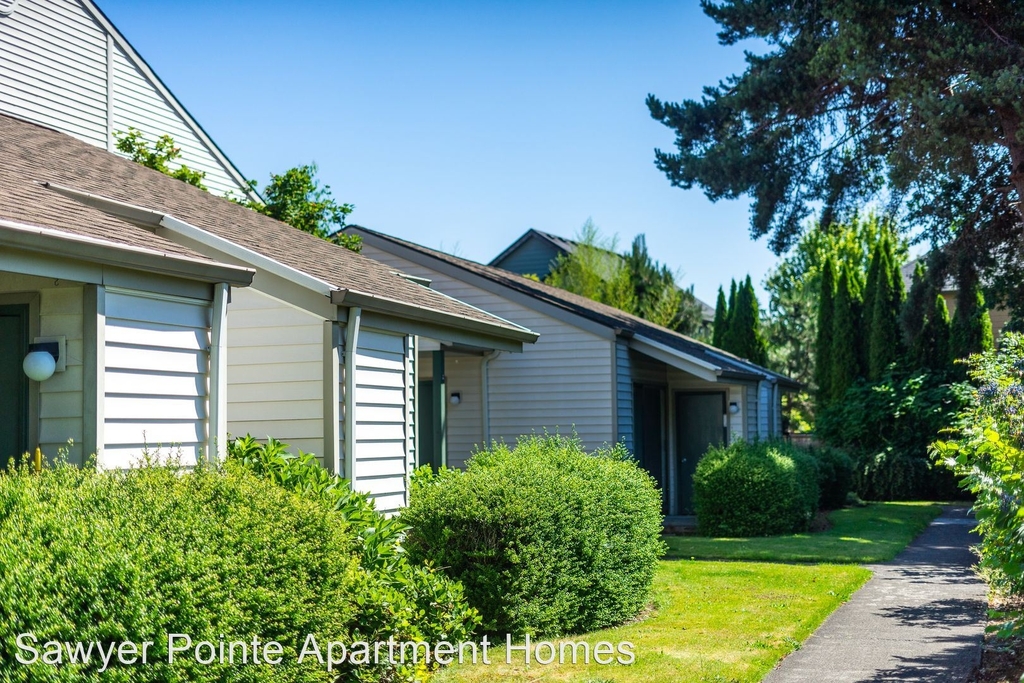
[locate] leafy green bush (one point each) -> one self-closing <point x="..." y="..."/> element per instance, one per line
<point x="438" y="603"/>
<point x="546" y="538"/>
<point x="135" y="555"/>
<point x="987" y="450"/>
<point x="835" y="476"/>
<point x="763" y="488"/>
<point x="886" y="427"/>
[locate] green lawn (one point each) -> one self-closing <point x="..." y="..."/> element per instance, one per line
<point x="734" y="620"/>
<point x="714" y="621"/>
<point x="875" y="533"/>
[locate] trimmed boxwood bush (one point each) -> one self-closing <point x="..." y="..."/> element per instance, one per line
<point x="134" y="555"/>
<point x="755" y="489"/>
<point x="546" y="538"/>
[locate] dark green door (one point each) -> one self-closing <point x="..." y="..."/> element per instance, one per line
<point x="700" y="424"/>
<point x="13" y="382"/>
<point x="649" y="434"/>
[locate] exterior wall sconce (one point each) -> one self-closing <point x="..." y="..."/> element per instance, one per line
<point x="45" y="356"/>
<point x="734" y="407"/>
<point x="456" y="398"/>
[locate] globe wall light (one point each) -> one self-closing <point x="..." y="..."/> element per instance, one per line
<point x="45" y="356"/>
<point x="734" y="408"/>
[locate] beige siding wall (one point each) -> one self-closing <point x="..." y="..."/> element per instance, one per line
<point x="59" y="402"/>
<point x="383" y="432"/>
<point x="156" y="376"/>
<point x="53" y="58"/>
<point x="53" y="71"/>
<point x="465" y="421"/>
<point x="275" y="375"/>
<point x="562" y="382"/>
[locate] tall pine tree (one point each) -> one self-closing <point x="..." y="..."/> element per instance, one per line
<point x="915" y="310"/>
<point x="846" y="334"/>
<point x="823" y="343"/>
<point x="721" y="320"/>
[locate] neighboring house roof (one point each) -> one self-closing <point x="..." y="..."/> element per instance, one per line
<point x="907" y="272"/>
<point x="622" y="323"/>
<point x="75" y="170"/>
<point x="565" y="246"/>
<point x="560" y="243"/>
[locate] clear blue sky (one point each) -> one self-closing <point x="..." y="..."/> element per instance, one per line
<point x="462" y="123"/>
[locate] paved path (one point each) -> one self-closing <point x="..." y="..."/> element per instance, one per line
<point x="920" y="617"/>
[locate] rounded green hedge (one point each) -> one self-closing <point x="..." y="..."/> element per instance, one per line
<point x="755" y="489"/>
<point x="546" y="538"/>
<point x="133" y="556"/>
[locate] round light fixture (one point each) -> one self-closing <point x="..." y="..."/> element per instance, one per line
<point x="734" y="408"/>
<point x="456" y="398"/>
<point x="39" y="365"/>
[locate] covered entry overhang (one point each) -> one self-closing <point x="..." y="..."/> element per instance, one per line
<point x="683" y="403"/>
<point x="137" y="335"/>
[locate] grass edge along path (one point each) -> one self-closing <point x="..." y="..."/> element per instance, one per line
<point x="871" y="534"/>
<point x="714" y="621"/>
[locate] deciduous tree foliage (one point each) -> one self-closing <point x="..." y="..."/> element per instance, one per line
<point x="160" y="157"/>
<point x="903" y="100"/>
<point x="297" y="197"/>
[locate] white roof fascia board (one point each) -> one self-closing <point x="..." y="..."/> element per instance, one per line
<point x="675" y="358"/>
<point x="139" y="62"/>
<point x="155" y="220"/>
<point x="95" y="250"/>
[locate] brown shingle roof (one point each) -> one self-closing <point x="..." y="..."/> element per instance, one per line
<point x="31" y="155"/>
<point x="605" y="315"/>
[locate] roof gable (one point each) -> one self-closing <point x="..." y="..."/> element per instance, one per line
<point x="67" y="67"/>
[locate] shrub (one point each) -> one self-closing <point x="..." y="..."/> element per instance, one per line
<point x="438" y="603"/>
<point x="986" y="449"/>
<point x="886" y="427"/>
<point x="135" y="555"/>
<point x="835" y="476"/>
<point x="546" y="538"/>
<point x="755" y="489"/>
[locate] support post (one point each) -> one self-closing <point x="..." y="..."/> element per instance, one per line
<point x="217" y="432"/>
<point x="355" y="315"/>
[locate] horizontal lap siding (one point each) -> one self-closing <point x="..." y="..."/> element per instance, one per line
<point x="382" y="419"/>
<point x="137" y="103"/>
<point x="562" y="382"/>
<point x="156" y="368"/>
<point x="60" y="397"/>
<point x="53" y="68"/>
<point x="275" y="371"/>
<point x="465" y="421"/>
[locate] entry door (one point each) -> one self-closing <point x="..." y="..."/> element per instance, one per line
<point x="649" y="434"/>
<point x="13" y="382"/>
<point x="700" y="424"/>
<point x="425" y="423"/>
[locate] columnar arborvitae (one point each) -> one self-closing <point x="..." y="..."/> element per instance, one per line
<point x="972" y="328"/>
<point x="721" y="320"/>
<point x="744" y="337"/>
<point x="884" y="331"/>
<point x="823" y="343"/>
<point x="915" y="311"/>
<point x="846" y="332"/>
<point x="932" y="351"/>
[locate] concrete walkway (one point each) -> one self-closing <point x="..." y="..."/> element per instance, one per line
<point x="920" y="617"/>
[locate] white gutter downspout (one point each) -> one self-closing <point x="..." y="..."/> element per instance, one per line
<point x="217" y="430"/>
<point x="485" y="396"/>
<point x="351" y="341"/>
